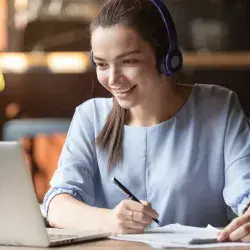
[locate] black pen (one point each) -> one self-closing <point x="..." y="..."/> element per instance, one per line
<point x="130" y="195"/>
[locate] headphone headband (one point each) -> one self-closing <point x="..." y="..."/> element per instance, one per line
<point x="169" y="24"/>
<point x="173" y="60"/>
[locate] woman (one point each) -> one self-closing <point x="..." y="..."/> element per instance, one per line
<point x="183" y="150"/>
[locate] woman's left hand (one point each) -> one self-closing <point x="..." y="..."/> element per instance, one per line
<point x="237" y="230"/>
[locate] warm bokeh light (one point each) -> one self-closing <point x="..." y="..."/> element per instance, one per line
<point x="14" y="62"/>
<point x="56" y="62"/>
<point x="68" y="62"/>
<point x="12" y="110"/>
<point x="2" y="82"/>
<point x="20" y="5"/>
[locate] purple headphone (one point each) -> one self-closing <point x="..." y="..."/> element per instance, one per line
<point x="172" y="61"/>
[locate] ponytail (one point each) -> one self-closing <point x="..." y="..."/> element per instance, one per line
<point x="110" y="138"/>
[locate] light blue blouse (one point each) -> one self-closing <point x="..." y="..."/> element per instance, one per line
<point x="192" y="168"/>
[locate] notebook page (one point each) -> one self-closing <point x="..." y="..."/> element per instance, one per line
<point x="179" y="236"/>
<point x="174" y="234"/>
<point x="178" y="228"/>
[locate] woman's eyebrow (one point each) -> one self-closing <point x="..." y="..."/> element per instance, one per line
<point x="127" y="53"/>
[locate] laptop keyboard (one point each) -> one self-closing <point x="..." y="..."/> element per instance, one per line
<point x="56" y="235"/>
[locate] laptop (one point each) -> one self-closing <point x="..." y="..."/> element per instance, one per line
<point x="21" y="220"/>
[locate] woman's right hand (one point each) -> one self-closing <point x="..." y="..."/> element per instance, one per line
<point x="131" y="217"/>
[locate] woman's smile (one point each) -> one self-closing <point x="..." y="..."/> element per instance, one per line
<point x="122" y="93"/>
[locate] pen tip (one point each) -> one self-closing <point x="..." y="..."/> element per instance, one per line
<point x="157" y="221"/>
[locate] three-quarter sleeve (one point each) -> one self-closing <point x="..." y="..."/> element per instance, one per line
<point x="237" y="158"/>
<point x="76" y="166"/>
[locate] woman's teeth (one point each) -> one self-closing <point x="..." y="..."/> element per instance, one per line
<point x="124" y="90"/>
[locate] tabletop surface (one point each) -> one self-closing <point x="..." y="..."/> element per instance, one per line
<point x="107" y="244"/>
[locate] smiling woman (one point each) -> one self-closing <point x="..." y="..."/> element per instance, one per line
<point x="183" y="150"/>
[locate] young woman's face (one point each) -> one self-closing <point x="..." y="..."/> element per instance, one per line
<point x="126" y="65"/>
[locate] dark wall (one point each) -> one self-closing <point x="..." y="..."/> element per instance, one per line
<point x="233" y="15"/>
<point x="55" y="35"/>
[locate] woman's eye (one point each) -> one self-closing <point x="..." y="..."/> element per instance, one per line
<point x="130" y="61"/>
<point x="101" y="65"/>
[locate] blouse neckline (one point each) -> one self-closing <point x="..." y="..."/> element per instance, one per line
<point x="178" y="113"/>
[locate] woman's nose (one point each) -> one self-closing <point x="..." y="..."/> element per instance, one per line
<point x="114" y="77"/>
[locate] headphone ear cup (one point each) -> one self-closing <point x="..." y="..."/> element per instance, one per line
<point x="171" y="63"/>
<point x="175" y="61"/>
<point x="91" y="59"/>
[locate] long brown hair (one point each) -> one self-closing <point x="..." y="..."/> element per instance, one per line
<point x="144" y="18"/>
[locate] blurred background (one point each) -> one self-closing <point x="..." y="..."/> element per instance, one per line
<point x="45" y="71"/>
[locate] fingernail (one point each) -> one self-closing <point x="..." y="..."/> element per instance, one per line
<point x="221" y="237"/>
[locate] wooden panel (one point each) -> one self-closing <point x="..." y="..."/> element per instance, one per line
<point x="3" y="28"/>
